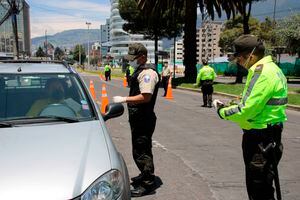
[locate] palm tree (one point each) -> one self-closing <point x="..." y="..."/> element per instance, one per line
<point x="231" y="8"/>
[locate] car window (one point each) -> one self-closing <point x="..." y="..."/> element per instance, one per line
<point x="35" y="95"/>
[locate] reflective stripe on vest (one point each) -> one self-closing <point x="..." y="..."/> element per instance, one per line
<point x="251" y="85"/>
<point x="277" y="101"/>
<point x="232" y="111"/>
<point x="235" y="110"/>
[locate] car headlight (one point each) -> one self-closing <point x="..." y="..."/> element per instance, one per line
<point x="107" y="187"/>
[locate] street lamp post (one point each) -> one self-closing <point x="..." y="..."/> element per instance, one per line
<point x="88" y="24"/>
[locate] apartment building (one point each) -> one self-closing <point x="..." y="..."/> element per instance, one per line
<point x="208" y="36"/>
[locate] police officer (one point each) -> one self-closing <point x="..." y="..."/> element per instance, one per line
<point x="165" y="76"/>
<point x="260" y="114"/>
<point x="141" y="100"/>
<point x="129" y="72"/>
<point x="107" y="72"/>
<point x="205" y="79"/>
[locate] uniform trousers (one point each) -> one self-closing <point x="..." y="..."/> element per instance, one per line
<point x="142" y="129"/>
<point x="207" y="90"/>
<point x="107" y="75"/>
<point x="259" y="166"/>
<point x="165" y="81"/>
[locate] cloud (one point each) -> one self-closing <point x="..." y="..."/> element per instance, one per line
<point x="56" y="15"/>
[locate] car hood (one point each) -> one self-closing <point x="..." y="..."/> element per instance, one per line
<point x="57" y="161"/>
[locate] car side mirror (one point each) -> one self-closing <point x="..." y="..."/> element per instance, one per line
<point x="113" y="110"/>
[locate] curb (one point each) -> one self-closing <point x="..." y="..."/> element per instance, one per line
<point x="289" y="106"/>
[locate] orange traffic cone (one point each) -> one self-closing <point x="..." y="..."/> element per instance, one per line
<point x="101" y="77"/>
<point x="169" y="90"/>
<point x="92" y="90"/>
<point x="104" y="98"/>
<point x="125" y="82"/>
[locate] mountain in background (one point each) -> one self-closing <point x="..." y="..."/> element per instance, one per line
<point x="68" y="39"/>
<point x="260" y="10"/>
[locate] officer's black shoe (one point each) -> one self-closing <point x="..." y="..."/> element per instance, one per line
<point x="204" y="105"/>
<point x="137" y="179"/>
<point x="143" y="190"/>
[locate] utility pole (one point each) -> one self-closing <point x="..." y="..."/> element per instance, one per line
<point x="174" y="57"/>
<point x="274" y="12"/>
<point x="79" y="46"/>
<point x="46" y="44"/>
<point x="88" y="25"/>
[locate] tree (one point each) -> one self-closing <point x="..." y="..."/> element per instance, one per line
<point x="40" y="52"/>
<point x="190" y="34"/>
<point x="79" y="51"/>
<point x="233" y="28"/>
<point x="289" y="30"/>
<point x="165" y="23"/>
<point x="58" y="53"/>
<point x="231" y="7"/>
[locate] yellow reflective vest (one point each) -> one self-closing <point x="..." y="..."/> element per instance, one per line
<point x="107" y="68"/>
<point x="263" y="100"/>
<point x="205" y="73"/>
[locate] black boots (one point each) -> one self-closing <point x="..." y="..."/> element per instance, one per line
<point x="143" y="185"/>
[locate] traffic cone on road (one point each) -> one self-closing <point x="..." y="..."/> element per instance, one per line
<point x="104" y="98"/>
<point x="169" y="90"/>
<point x="92" y="89"/>
<point x="101" y="77"/>
<point x="125" y="82"/>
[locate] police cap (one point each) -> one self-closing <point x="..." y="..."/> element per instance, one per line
<point x="246" y="44"/>
<point x="134" y="50"/>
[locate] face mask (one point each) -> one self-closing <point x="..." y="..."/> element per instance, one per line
<point x="134" y="64"/>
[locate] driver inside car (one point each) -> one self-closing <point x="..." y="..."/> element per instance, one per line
<point x="55" y="95"/>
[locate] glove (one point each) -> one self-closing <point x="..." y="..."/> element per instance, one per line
<point x="119" y="99"/>
<point x="218" y="104"/>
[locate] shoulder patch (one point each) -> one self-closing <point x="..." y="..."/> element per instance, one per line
<point x="259" y="68"/>
<point x="147" y="78"/>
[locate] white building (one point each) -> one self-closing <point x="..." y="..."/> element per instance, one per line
<point x="120" y="39"/>
<point x="179" y="53"/>
<point x="105" y="32"/>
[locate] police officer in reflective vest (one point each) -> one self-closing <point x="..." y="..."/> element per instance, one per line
<point x="129" y="72"/>
<point x="205" y="79"/>
<point x="107" y="72"/>
<point x="260" y="114"/>
<point x="141" y="101"/>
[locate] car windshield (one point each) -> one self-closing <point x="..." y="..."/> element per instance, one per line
<point x="29" y="96"/>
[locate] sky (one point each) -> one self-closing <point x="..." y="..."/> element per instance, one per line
<point x="53" y="16"/>
<point x="56" y="16"/>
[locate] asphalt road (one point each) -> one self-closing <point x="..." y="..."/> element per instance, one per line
<point x="197" y="155"/>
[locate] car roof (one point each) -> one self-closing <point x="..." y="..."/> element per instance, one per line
<point x="30" y="66"/>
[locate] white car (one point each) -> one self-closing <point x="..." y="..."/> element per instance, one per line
<point x="53" y="140"/>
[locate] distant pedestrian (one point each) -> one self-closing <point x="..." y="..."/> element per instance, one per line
<point x="129" y="72"/>
<point x="144" y="86"/>
<point x="260" y="114"/>
<point x="165" y="76"/>
<point x="205" y="79"/>
<point x="107" y="72"/>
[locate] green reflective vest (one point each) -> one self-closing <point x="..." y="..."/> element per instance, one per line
<point x="205" y="73"/>
<point x="107" y="68"/>
<point x="131" y="70"/>
<point x="263" y="100"/>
